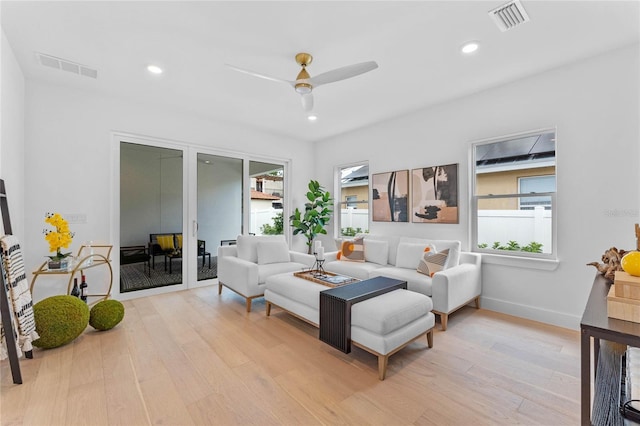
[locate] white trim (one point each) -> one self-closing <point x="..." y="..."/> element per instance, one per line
<point x="518" y="260"/>
<point x="546" y="316"/>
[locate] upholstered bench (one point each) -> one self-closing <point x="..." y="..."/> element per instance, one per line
<point x="387" y="323"/>
<point x="381" y="325"/>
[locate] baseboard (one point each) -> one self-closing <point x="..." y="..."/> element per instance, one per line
<point x="546" y="316"/>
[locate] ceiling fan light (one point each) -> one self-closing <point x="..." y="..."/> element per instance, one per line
<point x="303" y="88"/>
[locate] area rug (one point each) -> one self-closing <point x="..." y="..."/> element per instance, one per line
<point x="134" y="277"/>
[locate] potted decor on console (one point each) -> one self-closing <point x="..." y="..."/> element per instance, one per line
<point x="317" y="213"/>
<point x="59" y="238"/>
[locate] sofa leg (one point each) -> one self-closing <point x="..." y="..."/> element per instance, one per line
<point x="477" y="300"/>
<point x="248" y="305"/>
<point x="219" y="288"/>
<point x="443" y="321"/>
<point x="383" y="360"/>
<point x="430" y="338"/>
<point x="268" y="309"/>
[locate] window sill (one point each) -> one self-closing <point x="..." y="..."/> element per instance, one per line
<point x="520" y="262"/>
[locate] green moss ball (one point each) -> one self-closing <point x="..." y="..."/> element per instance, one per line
<point x="106" y="314"/>
<point x="59" y="320"/>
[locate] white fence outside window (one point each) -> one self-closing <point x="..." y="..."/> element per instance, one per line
<point x="523" y="226"/>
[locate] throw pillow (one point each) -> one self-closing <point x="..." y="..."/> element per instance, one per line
<point x="376" y="251"/>
<point x="179" y="238"/>
<point x="272" y="252"/>
<point x="352" y="250"/>
<point x="166" y="242"/>
<point x="433" y="262"/>
<point x="409" y="254"/>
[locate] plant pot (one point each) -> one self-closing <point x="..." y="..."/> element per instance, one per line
<point x="62" y="264"/>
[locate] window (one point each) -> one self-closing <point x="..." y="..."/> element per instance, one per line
<point x="352" y="197"/>
<point x="513" y="197"/>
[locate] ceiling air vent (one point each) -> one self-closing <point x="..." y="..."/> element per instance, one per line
<point x="65" y="65"/>
<point x="509" y="15"/>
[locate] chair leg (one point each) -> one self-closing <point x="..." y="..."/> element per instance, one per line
<point x="443" y="321"/>
<point x="383" y="360"/>
<point x="268" y="309"/>
<point x="219" y="288"/>
<point x="477" y="300"/>
<point x="248" y="305"/>
<point x="430" y="338"/>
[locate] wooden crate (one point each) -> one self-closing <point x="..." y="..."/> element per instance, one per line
<point x="627" y="285"/>
<point x="622" y="307"/>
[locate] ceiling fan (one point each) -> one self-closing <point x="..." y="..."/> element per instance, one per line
<point x="304" y="83"/>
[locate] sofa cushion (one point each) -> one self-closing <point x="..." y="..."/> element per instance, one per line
<point x="376" y="251"/>
<point x="454" y="247"/>
<point x="273" y="252"/>
<point x="166" y="242"/>
<point x="352" y="250"/>
<point x="248" y="245"/>
<point x="409" y="254"/>
<point x="390" y="311"/>
<point x="417" y="282"/>
<point x="433" y="262"/>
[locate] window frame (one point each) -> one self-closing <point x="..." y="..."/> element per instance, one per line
<point x="338" y="196"/>
<point x="504" y="256"/>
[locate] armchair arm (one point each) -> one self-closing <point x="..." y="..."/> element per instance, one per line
<point x="304" y="258"/>
<point x="227" y="251"/>
<point x="238" y="274"/>
<point x="456" y="286"/>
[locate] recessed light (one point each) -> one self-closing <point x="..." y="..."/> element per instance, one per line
<point x="154" y="69"/>
<point x="469" y="47"/>
<point x="312" y="117"/>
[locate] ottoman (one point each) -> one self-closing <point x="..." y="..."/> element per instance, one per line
<point x="387" y="323"/>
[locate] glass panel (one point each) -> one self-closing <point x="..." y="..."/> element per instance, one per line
<point x="539" y="184"/>
<point x="501" y="166"/>
<point x="219" y="209"/>
<point x="267" y="198"/>
<point x="151" y="201"/>
<point x="513" y="229"/>
<point x="354" y="199"/>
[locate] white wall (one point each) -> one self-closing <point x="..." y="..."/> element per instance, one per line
<point x="12" y="165"/>
<point x="594" y="104"/>
<point x="69" y="149"/>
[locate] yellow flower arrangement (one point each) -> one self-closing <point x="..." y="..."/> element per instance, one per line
<point x="60" y="238"/>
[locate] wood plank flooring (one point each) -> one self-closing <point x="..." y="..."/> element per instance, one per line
<point x="194" y="357"/>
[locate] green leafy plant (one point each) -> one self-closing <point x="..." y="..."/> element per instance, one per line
<point x="317" y="213"/>
<point x="351" y="232"/>
<point x="532" y="247"/>
<point x="277" y="228"/>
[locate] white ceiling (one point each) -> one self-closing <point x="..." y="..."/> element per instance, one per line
<point x="416" y="45"/>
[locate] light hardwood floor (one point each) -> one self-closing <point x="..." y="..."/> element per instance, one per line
<point x="194" y="357"/>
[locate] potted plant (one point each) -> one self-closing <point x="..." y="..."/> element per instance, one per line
<point x="317" y="213"/>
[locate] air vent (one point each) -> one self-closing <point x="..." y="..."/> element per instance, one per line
<point x="509" y="15"/>
<point x="65" y="65"/>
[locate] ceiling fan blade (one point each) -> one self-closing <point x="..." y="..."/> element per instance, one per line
<point x="255" y="74"/>
<point x="343" y="73"/>
<point x="307" y="101"/>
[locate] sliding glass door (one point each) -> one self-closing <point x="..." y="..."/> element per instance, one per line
<point x="151" y="216"/>
<point x="219" y="209"/>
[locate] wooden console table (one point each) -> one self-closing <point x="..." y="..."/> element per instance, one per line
<point x="595" y="323"/>
<point x="335" y="308"/>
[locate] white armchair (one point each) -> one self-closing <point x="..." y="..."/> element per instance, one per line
<point x="244" y="267"/>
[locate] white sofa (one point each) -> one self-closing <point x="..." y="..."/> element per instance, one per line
<point x="244" y="267"/>
<point x="449" y="289"/>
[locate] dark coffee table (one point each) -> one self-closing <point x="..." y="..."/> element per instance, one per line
<point x="335" y="308"/>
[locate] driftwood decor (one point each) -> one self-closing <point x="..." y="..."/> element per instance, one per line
<point x="610" y="263"/>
